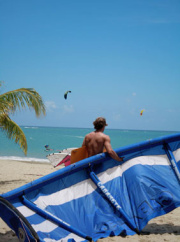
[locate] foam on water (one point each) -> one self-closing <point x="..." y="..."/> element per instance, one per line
<point x="28" y="159"/>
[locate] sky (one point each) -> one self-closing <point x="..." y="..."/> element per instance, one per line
<point x="117" y="58"/>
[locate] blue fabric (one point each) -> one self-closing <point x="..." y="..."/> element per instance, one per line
<point x="144" y="190"/>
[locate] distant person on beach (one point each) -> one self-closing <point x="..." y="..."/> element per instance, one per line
<point x="96" y="141"/>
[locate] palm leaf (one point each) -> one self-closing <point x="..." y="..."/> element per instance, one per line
<point x="22" y="98"/>
<point x="13" y="131"/>
<point x="15" y="100"/>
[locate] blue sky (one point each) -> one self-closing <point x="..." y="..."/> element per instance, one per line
<point x="117" y="57"/>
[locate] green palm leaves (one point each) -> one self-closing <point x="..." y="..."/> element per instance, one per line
<point x="15" y="100"/>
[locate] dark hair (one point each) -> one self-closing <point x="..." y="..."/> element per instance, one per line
<point x="99" y="123"/>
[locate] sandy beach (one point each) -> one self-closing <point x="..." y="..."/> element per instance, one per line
<point x="14" y="174"/>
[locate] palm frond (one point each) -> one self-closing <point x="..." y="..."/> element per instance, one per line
<point x="20" y="98"/>
<point x="13" y="131"/>
<point x="17" y="99"/>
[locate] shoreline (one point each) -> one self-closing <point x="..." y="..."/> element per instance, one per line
<point x="14" y="174"/>
<point x="24" y="159"/>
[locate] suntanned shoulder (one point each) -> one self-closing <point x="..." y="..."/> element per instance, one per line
<point x="106" y="137"/>
<point x="87" y="138"/>
<point x="90" y="135"/>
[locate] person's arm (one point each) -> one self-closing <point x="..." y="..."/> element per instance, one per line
<point x="111" y="152"/>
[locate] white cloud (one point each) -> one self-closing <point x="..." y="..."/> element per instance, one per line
<point x="50" y="105"/>
<point x="68" y="109"/>
<point x="128" y="100"/>
<point x="116" y="117"/>
<point x="134" y="94"/>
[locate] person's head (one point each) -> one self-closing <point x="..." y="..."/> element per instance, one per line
<point x="99" y="123"/>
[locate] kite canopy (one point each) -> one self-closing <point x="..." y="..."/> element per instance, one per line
<point x="141" y="113"/>
<point x="66" y="93"/>
<point x="98" y="197"/>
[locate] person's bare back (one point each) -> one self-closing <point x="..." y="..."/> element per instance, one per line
<point x="94" y="142"/>
<point x="97" y="141"/>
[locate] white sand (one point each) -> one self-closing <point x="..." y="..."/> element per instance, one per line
<point x="14" y="174"/>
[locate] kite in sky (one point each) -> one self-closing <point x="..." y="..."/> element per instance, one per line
<point x="66" y="93"/>
<point x="141" y="113"/>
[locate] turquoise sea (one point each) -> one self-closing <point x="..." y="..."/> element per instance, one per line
<point x="62" y="138"/>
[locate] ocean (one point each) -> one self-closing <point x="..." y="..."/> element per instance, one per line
<point x="61" y="138"/>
